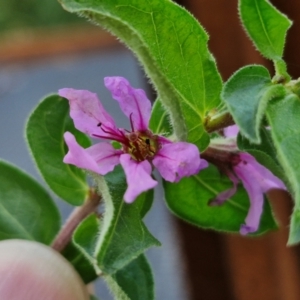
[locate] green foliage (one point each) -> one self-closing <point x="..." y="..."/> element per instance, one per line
<point x="283" y="116"/>
<point x="265" y="25"/>
<point x="133" y="282"/>
<point x="85" y="238"/>
<point x="265" y="152"/>
<point x="45" y="128"/>
<point x="246" y="94"/>
<point x="80" y="262"/>
<point x="189" y="200"/>
<point x="159" y="121"/>
<point x="26" y="209"/>
<point x="265" y="146"/>
<point x="172" y="47"/>
<point x="123" y="235"/>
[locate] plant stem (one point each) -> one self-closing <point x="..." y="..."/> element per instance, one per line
<point x="79" y="213"/>
<point x="218" y="122"/>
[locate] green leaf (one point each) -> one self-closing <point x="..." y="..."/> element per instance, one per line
<point x="86" y="234"/>
<point x="134" y="282"/>
<point x="26" y="209"/>
<point x="148" y="198"/>
<point x="85" y="238"/>
<point x="80" y="263"/>
<point x="123" y="235"/>
<point x="45" y="128"/>
<point x="265" y="146"/>
<point x="266" y="26"/>
<point x="283" y="116"/>
<point x="246" y="94"/>
<point x="294" y="236"/>
<point x="172" y="47"/>
<point x="189" y="200"/>
<point x="159" y="121"/>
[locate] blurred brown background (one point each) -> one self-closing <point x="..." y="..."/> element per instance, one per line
<point x="218" y="266"/>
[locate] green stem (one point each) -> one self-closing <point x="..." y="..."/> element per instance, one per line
<point x="218" y="121"/>
<point x="281" y="75"/>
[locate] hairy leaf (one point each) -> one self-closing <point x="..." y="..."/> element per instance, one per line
<point x="123" y="235"/>
<point x="85" y="238"/>
<point x="133" y="282"/>
<point x="189" y="200"/>
<point x="172" y="47"/>
<point x="283" y="116"/>
<point x="80" y="262"/>
<point x="159" y="121"/>
<point x="246" y="94"/>
<point x="45" y="128"/>
<point x="265" y="25"/>
<point x="265" y="146"/>
<point x="26" y="209"/>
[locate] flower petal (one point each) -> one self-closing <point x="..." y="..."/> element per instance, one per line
<point x="225" y="195"/>
<point x="100" y="158"/>
<point x="256" y="205"/>
<point x="105" y="155"/>
<point x="133" y="102"/>
<point x="257" y="180"/>
<point x="260" y="174"/>
<point x="138" y="177"/>
<point x="88" y="113"/>
<point x="177" y="160"/>
<point x="231" y="131"/>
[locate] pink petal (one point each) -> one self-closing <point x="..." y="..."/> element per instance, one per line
<point x="225" y="195"/>
<point x="231" y="131"/>
<point x="77" y="155"/>
<point x="105" y="155"/>
<point x="256" y="204"/>
<point x="163" y="140"/>
<point x="133" y="102"/>
<point x="260" y="174"/>
<point x="138" y="177"/>
<point x="87" y="112"/>
<point x="177" y="160"/>
<point x="257" y="180"/>
<point x="100" y="158"/>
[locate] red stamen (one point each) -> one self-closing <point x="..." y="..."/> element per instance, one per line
<point x="107" y="131"/>
<point x="124" y="142"/>
<point x="131" y="122"/>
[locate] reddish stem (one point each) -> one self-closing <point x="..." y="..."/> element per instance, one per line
<point x="79" y="213"/>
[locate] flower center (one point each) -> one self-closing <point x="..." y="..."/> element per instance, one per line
<point x="142" y="145"/>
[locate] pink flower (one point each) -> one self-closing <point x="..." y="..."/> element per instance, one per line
<point x="257" y="181"/>
<point x="141" y="149"/>
<point x="231" y="131"/>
